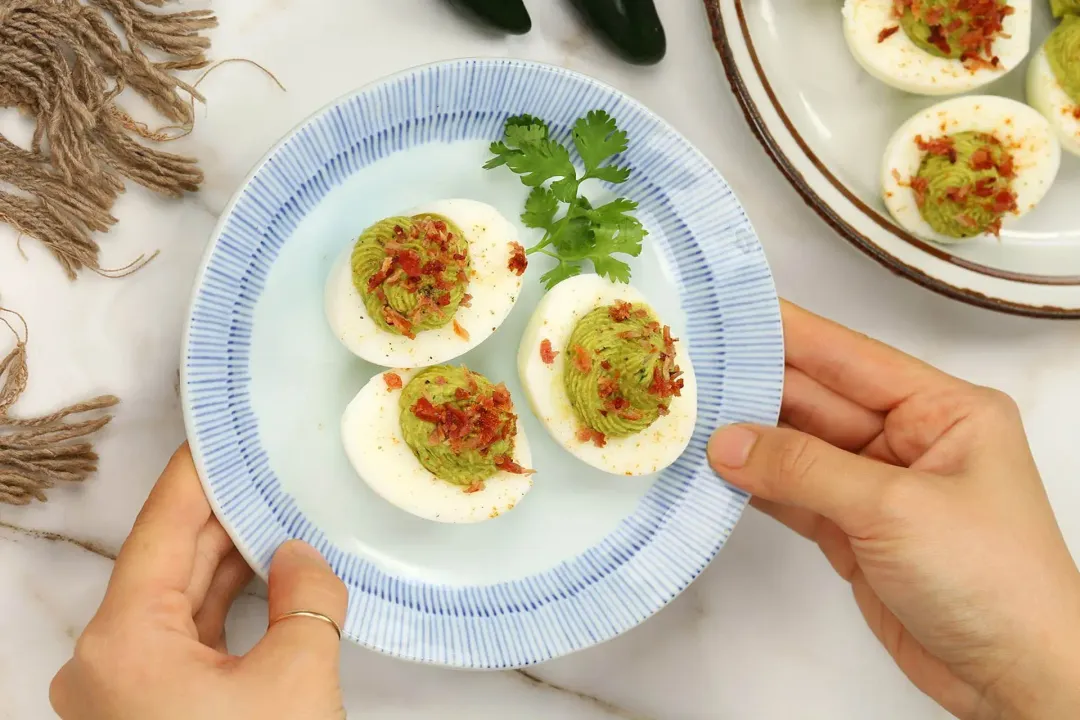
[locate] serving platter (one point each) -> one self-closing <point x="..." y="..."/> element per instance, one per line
<point x="825" y="123"/>
<point x="586" y="555"/>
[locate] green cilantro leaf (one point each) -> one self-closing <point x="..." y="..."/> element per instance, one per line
<point x="540" y="209"/>
<point x="584" y="233"/>
<point x="598" y="138"/>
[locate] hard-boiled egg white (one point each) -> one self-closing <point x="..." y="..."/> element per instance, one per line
<point x="897" y="61"/>
<point x="494" y="288"/>
<point x="554" y="320"/>
<point x="1046" y="95"/>
<point x="1024" y="133"/>
<point x="371" y="434"/>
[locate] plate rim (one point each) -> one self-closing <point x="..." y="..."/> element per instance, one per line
<point x="739" y="502"/>
<point x="836" y="220"/>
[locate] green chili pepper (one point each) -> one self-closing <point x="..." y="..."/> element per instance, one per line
<point x="506" y="15"/>
<point x="631" y="26"/>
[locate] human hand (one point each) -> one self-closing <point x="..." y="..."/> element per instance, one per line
<point x="156" y="647"/>
<point x="921" y="491"/>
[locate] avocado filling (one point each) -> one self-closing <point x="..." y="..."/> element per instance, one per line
<point x="958" y="29"/>
<point x="459" y="425"/>
<point x="412" y="272"/>
<point x="620" y="373"/>
<point x="1061" y="8"/>
<point x="1063" y="53"/>
<point x="963" y="186"/>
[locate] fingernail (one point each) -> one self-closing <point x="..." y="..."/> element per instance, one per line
<point x="731" y="446"/>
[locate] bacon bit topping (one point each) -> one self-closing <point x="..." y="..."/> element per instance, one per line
<point x="982" y="159"/>
<point x="984" y="187"/>
<point x="1004" y="201"/>
<point x="887" y="33"/>
<point x="460" y="331"/>
<point x="409" y="260"/>
<point x="966" y="220"/>
<point x="380" y="276"/>
<point x="582" y="358"/>
<point x="500" y="397"/>
<point x="441" y="380"/>
<point x="397" y="320"/>
<point x="461" y="394"/>
<point x="958" y="194"/>
<point x="662" y="409"/>
<point x="620" y="311"/>
<point x="443" y="300"/>
<point x="424" y="410"/>
<point x="506" y="464"/>
<point x="919" y="186"/>
<point x="607" y="386"/>
<point x="937" y="146"/>
<point x="933" y="15"/>
<point x="605" y="364"/>
<point x="631" y="415"/>
<point x="466" y="300"/>
<point x="974" y="27"/>
<point x="1076" y="112"/>
<point x="474" y="488"/>
<point x="1006" y="168"/>
<point x="518" y="261"/>
<point x="547" y="355"/>
<point x="995" y="227"/>
<point x="938" y="40"/>
<point x="392" y="380"/>
<point x="589" y="435"/>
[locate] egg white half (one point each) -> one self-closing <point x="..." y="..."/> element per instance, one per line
<point x="371" y="433"/>
<point x="899" y="62"/>
<point x="493" y="286"/>
<point x="1023" y="131"/>
<point x="555" y="317"/>
<point x="1046" y="95"/>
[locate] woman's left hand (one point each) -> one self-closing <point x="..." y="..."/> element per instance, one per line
<point x="156" y="647"/>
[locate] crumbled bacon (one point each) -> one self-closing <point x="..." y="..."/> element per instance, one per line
<point x="662" y="410"/>
<point x="933" y="15"/>
<point x="982" y="159"/>
<point x="995" y="227"/>
<point x="409" y="260"/>
<point x="397" y="320"/>
<point x="597" y="438"/>
<point x="966" y="220"/>
<point x="392" y="380"/>
<point x="943" y="145"/>
<point x="631" y="415"/>
<point x="919" y="187"/>
<point x="474" y="488"/>
<point x="460" y="331"/>
<point x="958" y="194"/>
<point x="506" y="464"/>
<point x="441" y="380"/>
<point x="443" y="300"/>
<point x="466" y="300"/>
<point x="1006" y="169"/>
<point x="937" y="39"/>
<point x="582" y="358"/>
<point x="887" y="33"/>
<point x="620" y="311"/>
<point x="547" y="355"/>
<point x="605" y="364"/>
<point x="984" y="187"/>
<point x="426" y="411"/>
<point x="500" y="397"/>
<point x="607" y="386"/>
<point x="380" y="276"/>
<point x="461" y="394"/>
<point x="1004" y="201"/>
<point x="518" y="261"/>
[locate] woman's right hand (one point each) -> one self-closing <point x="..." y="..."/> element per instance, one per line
<point x="922" y="492"/>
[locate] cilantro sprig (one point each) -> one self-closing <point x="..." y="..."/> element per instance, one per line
<point x="581" y="232"/>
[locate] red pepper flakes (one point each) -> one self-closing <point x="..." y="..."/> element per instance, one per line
<point x="518" y="261"/>
<point x="393" y="381"/>
<point x="589" y="435"/>
<point x="582" y="358"/>
<point x="547" y="355"/>
<point x="460" y="331"/>
<point x="887" y="33"/>
<point x="506" y="464"/>
<point x="620" y="311"/>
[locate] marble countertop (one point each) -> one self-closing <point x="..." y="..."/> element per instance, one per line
<point x="768" y="631"/>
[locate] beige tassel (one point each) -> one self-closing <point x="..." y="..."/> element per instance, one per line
<point x="62" y="63"/>
<point x="36" y="453"/>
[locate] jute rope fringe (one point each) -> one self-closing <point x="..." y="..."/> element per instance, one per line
<point x="36" y="453"/>
<point x="61" y="63"/>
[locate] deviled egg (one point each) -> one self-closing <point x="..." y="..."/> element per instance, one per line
<point x="1053" y="82"/>
<point x="442" y="443"/>
<point x="938" y="47"/>
<point x="607" y="379"/>
<point x="423" y="288"/>
<point x="962" y="168"/>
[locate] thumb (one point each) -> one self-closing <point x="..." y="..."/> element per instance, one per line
<point x="300" y="580"/>
<point x="792" y="468"/>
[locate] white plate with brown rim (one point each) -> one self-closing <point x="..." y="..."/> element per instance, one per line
<point x="825" y="123"/>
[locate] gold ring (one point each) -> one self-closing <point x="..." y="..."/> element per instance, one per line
<point x="308" y="614"/>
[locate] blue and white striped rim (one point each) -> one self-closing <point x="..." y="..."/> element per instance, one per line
<point x="733" y="327"/>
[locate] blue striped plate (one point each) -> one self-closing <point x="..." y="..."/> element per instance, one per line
<point x="586" y="556"/>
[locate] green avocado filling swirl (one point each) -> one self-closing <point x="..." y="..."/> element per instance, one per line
<point x="460" y="425"/>
<point x="1061" y="8"/>
<point x="957" y="29"/>
<point x="1063" y="53"/>
<point x="620" y="373"/>
<point x="962" y="187"/>
<point x="412" y="272"/>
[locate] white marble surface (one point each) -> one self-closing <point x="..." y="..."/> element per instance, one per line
<point x="767" y="632"/>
